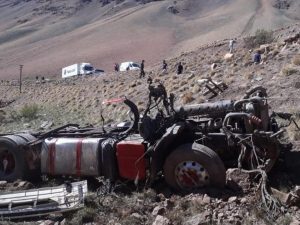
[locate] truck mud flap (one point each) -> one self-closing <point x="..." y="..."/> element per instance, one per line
<point x="170" y="140"/>
<point x="108" y="159"/>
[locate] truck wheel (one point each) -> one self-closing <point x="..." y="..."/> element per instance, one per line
<point x="193" y="166"/>
<point x="11" y="162"/>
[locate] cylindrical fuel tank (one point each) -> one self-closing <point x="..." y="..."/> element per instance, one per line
<point x="214" y="109"/>
<point x="15" y="159"/>
<point x="71" y="156"/>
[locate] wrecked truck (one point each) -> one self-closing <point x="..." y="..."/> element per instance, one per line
<point x="189" y="146"/>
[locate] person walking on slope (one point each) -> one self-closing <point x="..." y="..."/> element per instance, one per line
<point x="179" y="68"/>
<point x="231" y="43"/>
<point x="142" y="72"/>
<point x="117" y="67"/>
<point x="164" y="67"/>
<point x="257" y="57"/>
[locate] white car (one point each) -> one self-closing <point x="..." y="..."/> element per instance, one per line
<point x="125" y="66"/>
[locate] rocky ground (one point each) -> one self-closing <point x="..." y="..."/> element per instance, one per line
<point x="44" y="105"/>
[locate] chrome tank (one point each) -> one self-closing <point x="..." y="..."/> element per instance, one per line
<point x="71" y="156"/>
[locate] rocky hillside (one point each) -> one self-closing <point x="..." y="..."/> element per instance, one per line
<point x="45" y="36"/>
<point x="79" y="100"/>
<point x="48" y="104"/>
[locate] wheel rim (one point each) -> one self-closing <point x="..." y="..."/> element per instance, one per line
<point x="7" y="162"/>
<point x="191" y="174"/>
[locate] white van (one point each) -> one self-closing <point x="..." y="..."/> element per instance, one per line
<point x="125" y="66"/>
<point x="77" y="69"/>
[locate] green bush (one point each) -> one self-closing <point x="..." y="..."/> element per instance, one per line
<point x="29" y="111"/>
<point x="260" y="37"/>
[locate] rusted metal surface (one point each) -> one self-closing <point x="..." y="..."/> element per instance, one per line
<point x="36" y="202"/>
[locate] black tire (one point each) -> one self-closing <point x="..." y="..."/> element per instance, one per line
<point x="206" y="167"/>
<point x="20" y="168"/>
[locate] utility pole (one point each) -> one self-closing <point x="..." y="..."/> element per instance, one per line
<point x="21" y="67"/>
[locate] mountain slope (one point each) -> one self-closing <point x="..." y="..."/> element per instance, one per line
<point x="47" y="35"/>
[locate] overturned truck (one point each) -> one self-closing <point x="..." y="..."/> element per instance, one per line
<point x="189" y="146"/>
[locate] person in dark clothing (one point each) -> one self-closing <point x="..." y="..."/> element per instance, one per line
<point x="257" y="57"/>
<point x="179" y="68"/>
<point x="164" y="67"/>
<point x="117" y="67"/>
<point x="142" y="72"/>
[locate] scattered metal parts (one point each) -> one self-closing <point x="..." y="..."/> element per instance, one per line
<point x="43" y="201"/>
<point x="212" y="87"/>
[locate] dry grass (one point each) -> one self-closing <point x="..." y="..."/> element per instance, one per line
<point x="249" y="76"/>
<point x="261" y="37"/>
<point x="183" y="83"/>
<point x="247" y="57"/>
<point x="196" y="89"/>
<point x="285" y="220"/>
<point x="199" y="100"/>
<point x="29" y="111"/>
<point x="293" y="132"/>
<point x="288" y="70"/>
<point x="187" y="97"/>
<point x="85" y="215"/>
<point x="296" y="60"/>
<point x="274" y="52"/>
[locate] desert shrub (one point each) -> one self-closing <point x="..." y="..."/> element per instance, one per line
<point x="29" y="111"/>
<point x="249" y="76"/>
<point x="85" y="215"/>
<point x="260" y="37"/>
<point x="2" y="115"/>
<point x="187" y="98"/>
<point x="285" y="220"/>
<point x="296" y="60"/>
<point x="13" y="115"/>
<point x="288" y="70"/>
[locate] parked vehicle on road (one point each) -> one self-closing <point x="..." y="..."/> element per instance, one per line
<point x="77" y="69"/>
<point x="126" y="66"/>
<point x="80" y="69"/>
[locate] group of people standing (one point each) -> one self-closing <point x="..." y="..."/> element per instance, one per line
<point x="256" y="56"/>
<point x="179" y="68"/>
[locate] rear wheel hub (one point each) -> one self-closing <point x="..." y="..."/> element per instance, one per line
<point x="191" y="174"/>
